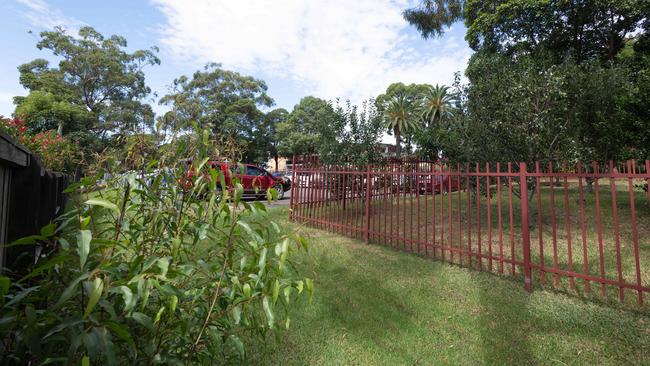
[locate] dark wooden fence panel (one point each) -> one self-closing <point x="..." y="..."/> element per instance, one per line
<point x="30" y="198"/>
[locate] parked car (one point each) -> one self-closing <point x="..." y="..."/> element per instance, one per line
<point x="285" y="177"/>
<point x="255" y="180"/>
<point x="449" y="184"/>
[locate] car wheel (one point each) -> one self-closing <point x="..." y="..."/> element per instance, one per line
<point x="280" y="189"/>
<point x="218" y="193"/>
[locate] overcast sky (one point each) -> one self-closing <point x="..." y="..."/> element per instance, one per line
<point x="330" y="48"/>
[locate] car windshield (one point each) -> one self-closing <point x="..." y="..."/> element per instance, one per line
<point x="254" y="171"/>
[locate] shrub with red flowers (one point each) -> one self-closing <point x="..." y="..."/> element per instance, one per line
<point x="55" y="151"/>
<point x="16" y="128"/>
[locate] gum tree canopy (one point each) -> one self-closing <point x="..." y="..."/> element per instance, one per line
<point x="97" y="87"/>
<point x="226" y="101"/>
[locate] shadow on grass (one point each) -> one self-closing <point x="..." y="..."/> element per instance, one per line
<point x="374" y="306"/>
<point x="371" y="305"/>
<point x="503" y="327"/>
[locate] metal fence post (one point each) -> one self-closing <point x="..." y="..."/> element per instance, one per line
<point x="368" y="187"/>
<point x="524" y="226"/>
<point x="292" y="187"/>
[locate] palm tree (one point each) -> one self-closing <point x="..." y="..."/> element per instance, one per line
<point x="400" y="118"/>
<point x="438" y="103"/>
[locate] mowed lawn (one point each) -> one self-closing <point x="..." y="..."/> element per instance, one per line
<point x="377" y="306"/>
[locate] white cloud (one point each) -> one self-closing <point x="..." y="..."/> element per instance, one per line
<point x="40" y="14"/>
<point x="333" y="48"/>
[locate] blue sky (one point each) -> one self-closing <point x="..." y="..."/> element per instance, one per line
<point x="334" y="48"/>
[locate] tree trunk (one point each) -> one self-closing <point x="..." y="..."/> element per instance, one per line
<point x="531" y="219"/>
<point x="276" y="162"/>
<point x="590" y="184"/>
<point x="398" y="141"/>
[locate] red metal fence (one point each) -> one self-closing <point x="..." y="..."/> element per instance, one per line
<point x="581" y="226"/>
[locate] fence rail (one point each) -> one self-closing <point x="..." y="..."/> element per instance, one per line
<point x="567" y="225"/>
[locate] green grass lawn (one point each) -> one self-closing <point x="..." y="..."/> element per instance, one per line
<point x="377" y="306"/>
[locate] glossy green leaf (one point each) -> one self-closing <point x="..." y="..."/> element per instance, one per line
<point x="121" y="331"/>
<point x="63" y="325"/>
<point x="276" y="291"/>
<point x="127" y="296"/>
<point x="239" y="192"/>
<point x="28" y="240"/>
<point x="236" y="314"/>
<point x="287" y="294"/>
<point x="239" y="345"/>
<point x="250" y="231"/>
<point x="262" y="262"/>
<point x="163" y="264"/>
<point x="143" y="320"/>
<point x="266" y="304"/>
<point x="70" y="290"/>
<point x="48" y="230"/>
<point x="83" y="246"/>
<point x="64" y="243"/>
<point x="83" y="223"/>
<point x="159" y="315"/>
<point x="103" y="203"/>
<point x="173" y="302"/>
<point x="93" y="297"/>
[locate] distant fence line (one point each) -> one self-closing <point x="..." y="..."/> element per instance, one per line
<point x="582" y="225"/>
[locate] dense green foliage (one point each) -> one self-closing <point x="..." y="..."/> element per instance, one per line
<point x="225" y="101"/>
<point x="301" y="132"/>
<point x="416" y="113"/>
<point x="96" y="74"/>
<point x="361" y="131"/>
<point x="94" y="94"/>
<point x="401" y="117"/>
<point x="431" y="17"/>
<point x="158" y="266"/>
<point x="438" y="103"/>
<point x="44" y="111"/>
<point x="549" y="79"/>
<point x="339" y="132"/>
<point x="268" y="133"/>
<point x="580" y="30"/>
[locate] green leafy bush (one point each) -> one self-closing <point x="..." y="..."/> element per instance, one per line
<point x="160" y="266"/>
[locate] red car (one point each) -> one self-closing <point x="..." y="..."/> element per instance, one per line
<point x="255" y="180"/>
<point x="449" y="184"/>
